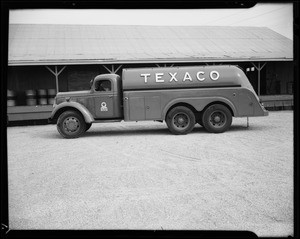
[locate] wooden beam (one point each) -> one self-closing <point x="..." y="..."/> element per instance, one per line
<point x="56" y="79"/>
<point x="263" y="65"/>
<point x="50" y="70"/>
<point x="258" y="67"/>
<point x="56" y="73"/>
<point x="118" y="68"/>
<point x="258" y="87"/>
<point x="61" y="70"/>
<point x="107" y="69"/>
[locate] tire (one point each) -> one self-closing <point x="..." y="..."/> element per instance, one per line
<point x="180" y="120"/>
<point x="217" y="118"/>
<point x="87" y="126"/>
<point x="71" y="124"/>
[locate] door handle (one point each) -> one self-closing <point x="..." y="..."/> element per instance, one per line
<point x="110" y="96"/>
<point x="125" y="98"/>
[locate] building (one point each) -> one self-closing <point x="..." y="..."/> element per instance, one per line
<point x="45" y="59"/>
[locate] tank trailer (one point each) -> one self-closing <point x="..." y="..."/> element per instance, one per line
<point x="180" y="96"/>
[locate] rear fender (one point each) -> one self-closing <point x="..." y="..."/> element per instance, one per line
<point x="88" y="118"/>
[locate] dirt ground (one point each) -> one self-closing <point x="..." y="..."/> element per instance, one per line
<point x="139" y="176"/>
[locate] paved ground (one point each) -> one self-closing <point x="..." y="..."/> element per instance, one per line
<point x="139" y="176"/>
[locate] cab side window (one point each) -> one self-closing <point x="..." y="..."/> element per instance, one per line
<point x="103" y="85"/>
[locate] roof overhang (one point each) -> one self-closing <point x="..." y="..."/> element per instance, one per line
<point x="43" y="44"/>
<point x="141" y="61"/>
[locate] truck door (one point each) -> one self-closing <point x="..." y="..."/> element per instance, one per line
<point x="152" y="105"/>
<point x="245" y="104"/>
<point x="104" y="97"/>
<point x="136" y="108"/>
<point x="141" y="107"/>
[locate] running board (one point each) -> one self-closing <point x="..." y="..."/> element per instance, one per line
<point x="107" y="121"/>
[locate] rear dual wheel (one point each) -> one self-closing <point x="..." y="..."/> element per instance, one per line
<point x="216" y="118"/>
<point x="180" y="120"/>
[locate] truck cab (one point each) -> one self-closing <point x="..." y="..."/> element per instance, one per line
<point x="102" y="101"/>
<point x="75" y="111"/>
<point x="106" y="92"/>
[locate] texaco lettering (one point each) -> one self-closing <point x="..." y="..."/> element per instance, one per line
<point x="200" y="76"/>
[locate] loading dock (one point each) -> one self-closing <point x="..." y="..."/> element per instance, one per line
<point x="67" y="57"/>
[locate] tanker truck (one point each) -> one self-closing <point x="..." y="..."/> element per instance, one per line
<point x="180" y="96"/>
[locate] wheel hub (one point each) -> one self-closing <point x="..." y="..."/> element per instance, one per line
<point x="181" y="121"/>
<point x="71" y="124"/>
<point x="217" y="119"/>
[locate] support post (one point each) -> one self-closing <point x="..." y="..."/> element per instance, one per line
<point x="164" y="65"/>
<point x="107" y="69"/>
<point x="118" y="69"/>
<point x="112" y="71"/>
<point x="56" y="73"/>
<point x="258" y="79"/>
<point x="56" y="79"/>
<point x="258" y="68"/>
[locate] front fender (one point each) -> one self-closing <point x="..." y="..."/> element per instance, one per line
<point x="75" y="105"/>
<point x="199" y="103"/>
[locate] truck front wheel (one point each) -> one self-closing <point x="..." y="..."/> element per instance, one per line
<point x="217" y="118"/>
<point x="71" y="124"/>
<point x="180" y="120"/>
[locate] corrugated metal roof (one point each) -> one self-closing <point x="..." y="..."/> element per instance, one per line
<point x="94" y="44"/>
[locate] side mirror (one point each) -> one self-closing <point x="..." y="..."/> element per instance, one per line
<point x="91" y="83"/>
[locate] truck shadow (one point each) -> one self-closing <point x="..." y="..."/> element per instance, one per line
<point x="235" y="128"/>
<point x="98" y="132"/>
<point x="155" y="131"/>
<point x="126" y="132"/>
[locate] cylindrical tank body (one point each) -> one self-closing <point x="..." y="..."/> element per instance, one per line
<point x="184" y="77"/>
